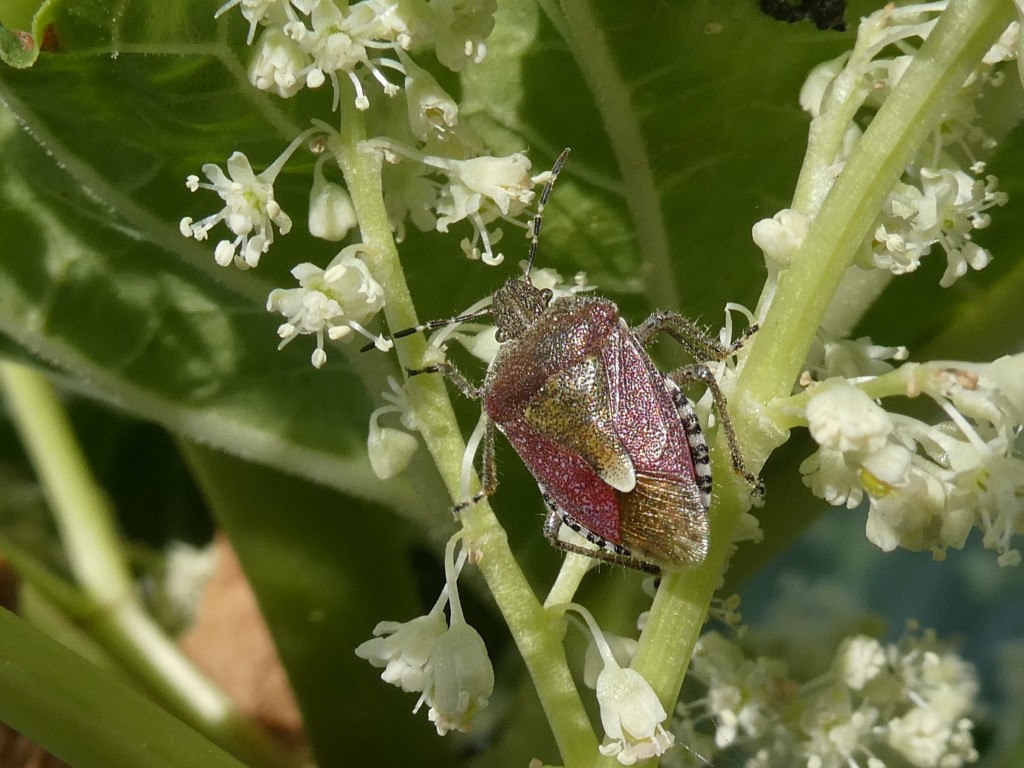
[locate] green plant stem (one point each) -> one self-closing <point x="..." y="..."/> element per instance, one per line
<point x="592" y="53"/>
<point x="88" y="532"/>
<point x="963" y="34"/>
<point x="533" y="629"/>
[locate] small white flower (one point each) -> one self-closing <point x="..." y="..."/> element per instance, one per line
<point x="851" y="358"/>
<point x="403" y="649"/>
<point x="480" y="189"/>
<point x="461" y="678"/>
<point x="335" y="301"/>
<point x="632" y="715"/>
<point x="830" y="478"/>
<point x="188" y="569"/>
<point x="842" y="417"/>
<point x="922" y="737"/>
<point x="781" y="236"/>
<point x="819" y="82"/>
<point x="861" y="659"/>
<point x="483" y="189"/>
<point x="346" y="42"/>
<point x="835" y="733"/>
<point x="256" y="12"/>
<point x="249" y="212"/>
<point x="460" y="28"/>
<point x="279" y="64"/>
<point x="433" y="114"/>
<point x="908" y="516"/>
<point x="503" y="180"/>
<point x="390" y="450"/>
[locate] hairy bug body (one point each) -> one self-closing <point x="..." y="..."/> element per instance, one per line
<point x="614" y="443"/>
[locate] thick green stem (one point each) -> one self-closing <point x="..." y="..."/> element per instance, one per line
<point x="535" y="632"/>
<point x="963" y="34"/>
<point x="88" y="531"/>
<point x="777" y="352"/>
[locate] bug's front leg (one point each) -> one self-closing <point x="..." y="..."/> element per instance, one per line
<point x="706" y="376"/>
<point x="450" y="372"/>
<point x="696" y="341"/>
<point x="488" y="466"/>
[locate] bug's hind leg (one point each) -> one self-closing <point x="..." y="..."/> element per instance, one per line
<point x="696" y="341"/>
<point x="605" y="551"/>
<point x="706" y="376"/>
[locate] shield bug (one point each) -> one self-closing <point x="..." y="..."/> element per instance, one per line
<point x="614" y="443"/>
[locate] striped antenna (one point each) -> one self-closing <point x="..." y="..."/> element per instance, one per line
<point x="535" y="238"/>
<point x="429" y="326"/>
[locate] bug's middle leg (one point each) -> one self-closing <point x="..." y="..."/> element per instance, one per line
<point x="488" y="466"/>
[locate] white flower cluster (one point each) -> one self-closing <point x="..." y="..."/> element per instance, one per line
<point x="481" y="190"/>
<point x="332" y="302"/>
<point x="944" y="195"/>
<point x="445" y="662"/>
<point x="305" y="43"/>
<point x="434" y="174"/>
<point x="877" y="705"/>
<point x="927" y="485"/>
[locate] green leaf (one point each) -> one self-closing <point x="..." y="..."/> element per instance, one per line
<point x="86" y="716"/>
<point x="97" y="281"/>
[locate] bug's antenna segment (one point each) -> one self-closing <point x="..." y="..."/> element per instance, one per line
<point x="535" y="238"/>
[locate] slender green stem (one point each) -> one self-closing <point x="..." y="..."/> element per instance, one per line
<point x="86" y="523"/>
<point x="534" y="630"/>
<point x="777" y="352"/>
<point x="592" y="53"/>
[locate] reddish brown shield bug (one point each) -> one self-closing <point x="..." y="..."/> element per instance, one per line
<point x="614" y="444"/>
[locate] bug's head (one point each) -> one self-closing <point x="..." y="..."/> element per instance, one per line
<point x="516" y="306"/>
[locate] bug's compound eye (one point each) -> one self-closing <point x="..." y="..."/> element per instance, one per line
<point x="545" y="295"/>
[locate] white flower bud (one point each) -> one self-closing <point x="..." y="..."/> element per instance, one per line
<point x="390" y="449"/>
<point x="331" y="213"/>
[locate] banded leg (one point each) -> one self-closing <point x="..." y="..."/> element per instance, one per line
<point x="694" y="340"/>
<point x="696" y="443"/>
<point x="605" y="551"/>
<point x="488" y="466"/>
<point x="706" y="376"/>
<point x="450" y="372"/>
